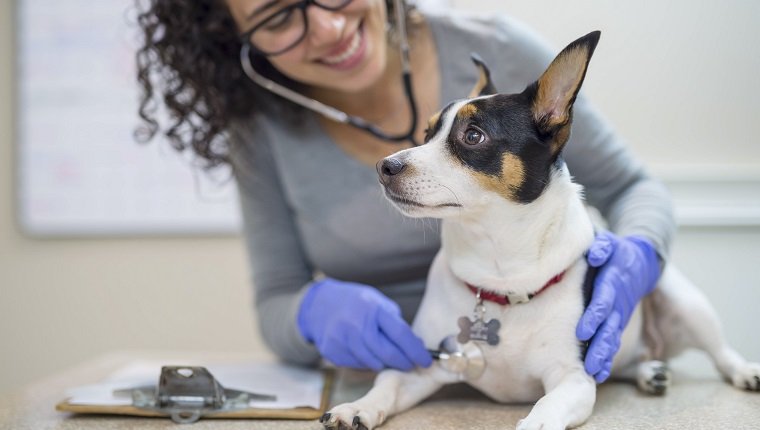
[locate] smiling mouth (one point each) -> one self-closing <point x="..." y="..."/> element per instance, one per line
<point x="349" y="53"/>
<point x="408" y="202"/>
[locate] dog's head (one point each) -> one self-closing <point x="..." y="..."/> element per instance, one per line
<point x="490" y="146"/>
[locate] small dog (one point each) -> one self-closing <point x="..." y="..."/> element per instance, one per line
<point x="514" y="225"/>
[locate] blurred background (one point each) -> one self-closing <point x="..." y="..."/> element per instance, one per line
<point x="106" y="245"/>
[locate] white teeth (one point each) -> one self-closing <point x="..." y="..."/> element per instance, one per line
<point x="350" y="51"/>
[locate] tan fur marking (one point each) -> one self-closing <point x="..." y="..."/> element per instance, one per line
<point x="433" y="120"/>
<point x="509" y="181"/>
<point x="482" y="82"/>
<point x="467" y="111"/>
<point x="560" y="138"/>
<point x="548" y="96"/>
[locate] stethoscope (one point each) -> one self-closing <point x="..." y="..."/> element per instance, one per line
<point x="338" y="115"/>
<point x="464" y="360"/>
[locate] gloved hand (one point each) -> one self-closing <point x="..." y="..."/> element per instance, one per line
<point x="354" y="325"/>
<point x="629" y="269"/>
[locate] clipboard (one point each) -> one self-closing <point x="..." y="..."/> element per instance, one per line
<point x="187" y="393"/>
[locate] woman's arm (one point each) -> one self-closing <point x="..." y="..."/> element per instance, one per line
<point x="281" y="273"/>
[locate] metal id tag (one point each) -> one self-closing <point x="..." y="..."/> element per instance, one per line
<point x="187" y="393"/>
<point x="478" y="329"/>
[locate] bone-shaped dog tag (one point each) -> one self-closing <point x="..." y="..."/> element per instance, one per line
<point x="477" y="329"/>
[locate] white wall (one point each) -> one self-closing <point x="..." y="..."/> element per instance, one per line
<point x="677" y="78"/>
<point x="63" y="301"/>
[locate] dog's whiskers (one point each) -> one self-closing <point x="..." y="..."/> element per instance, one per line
<point x="453" y="194"/>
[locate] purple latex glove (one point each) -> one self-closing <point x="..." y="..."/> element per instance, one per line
<point x="354" y="325"/>
<point x="629" y="269"/>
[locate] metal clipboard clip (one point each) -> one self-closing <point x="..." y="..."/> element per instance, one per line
<point x="187" y="393"/>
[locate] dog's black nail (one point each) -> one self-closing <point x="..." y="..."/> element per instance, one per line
<point x="357" y="424"/>
<point x="660" y="376"/>
<point x="324" y="418"/>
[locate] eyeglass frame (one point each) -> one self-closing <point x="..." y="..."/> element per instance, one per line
<point x="245" y="37"/>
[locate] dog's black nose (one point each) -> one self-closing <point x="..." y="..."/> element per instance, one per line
<point x="389" y="167"/>
<point x="392" y="166"/>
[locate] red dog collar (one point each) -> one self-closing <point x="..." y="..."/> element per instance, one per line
<point x="503" y="299"/>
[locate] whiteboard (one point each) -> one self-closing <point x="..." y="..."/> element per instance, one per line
<point x="80" y="172"/>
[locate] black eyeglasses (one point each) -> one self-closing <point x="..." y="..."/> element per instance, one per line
<point x="286" y="27"/>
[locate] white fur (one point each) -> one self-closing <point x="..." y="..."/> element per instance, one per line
<point x="506" y="247"/>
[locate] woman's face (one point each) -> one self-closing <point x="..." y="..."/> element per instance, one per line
<point x="344" y="50"/>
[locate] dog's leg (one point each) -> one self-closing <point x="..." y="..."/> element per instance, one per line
<point x="650" y="371"/>
<point x="700" y="327"/>
<point x="393" y="392"/>
<point x="568" y="402"/>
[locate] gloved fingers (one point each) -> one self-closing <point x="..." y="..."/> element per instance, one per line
<point x="604" y="345"/>
<point x="607" y="366"/>
<point x="387" y="305"/>
<point x="399" y="332"/>
<point x="387" y="351"/>
<point x="334" y="344"/>
<point x="599" y="309"/>
<point x="601" y="249"/>
<point x="364" y="355"/>
<point x="341" y="357"/>
<point x="602" y="375"/>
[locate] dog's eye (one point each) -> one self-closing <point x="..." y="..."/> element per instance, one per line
<point x="473" y="136"/>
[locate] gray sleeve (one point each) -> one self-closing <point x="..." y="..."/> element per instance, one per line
<point x="280" y="271"/>
<point x="615" y="182"/>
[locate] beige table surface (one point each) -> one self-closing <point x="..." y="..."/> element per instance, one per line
<point x="691" y="404"/>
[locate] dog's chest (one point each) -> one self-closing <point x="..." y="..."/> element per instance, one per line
<point x="534" y="337"/>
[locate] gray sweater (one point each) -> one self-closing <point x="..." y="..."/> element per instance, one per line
<point x="310" y="209"/>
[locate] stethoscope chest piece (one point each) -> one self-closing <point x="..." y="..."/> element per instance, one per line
<point x="466" y="359"/>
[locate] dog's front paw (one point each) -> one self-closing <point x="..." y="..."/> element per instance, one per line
<point x="747" y="377"/>
<point x="351" y="416"/>
<point x="532" y="422"/>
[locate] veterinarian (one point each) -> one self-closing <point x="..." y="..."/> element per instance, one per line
<point x="302" y="98"/>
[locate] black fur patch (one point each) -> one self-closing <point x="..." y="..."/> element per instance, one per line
<point x="588" y="291"/>
<point x="508" y="124"/>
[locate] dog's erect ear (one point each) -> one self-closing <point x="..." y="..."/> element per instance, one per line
<point x="484" y="86"/>
<point x="559" y="85"/>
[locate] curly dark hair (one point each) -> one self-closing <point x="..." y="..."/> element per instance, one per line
<point x="189" y="59"/>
